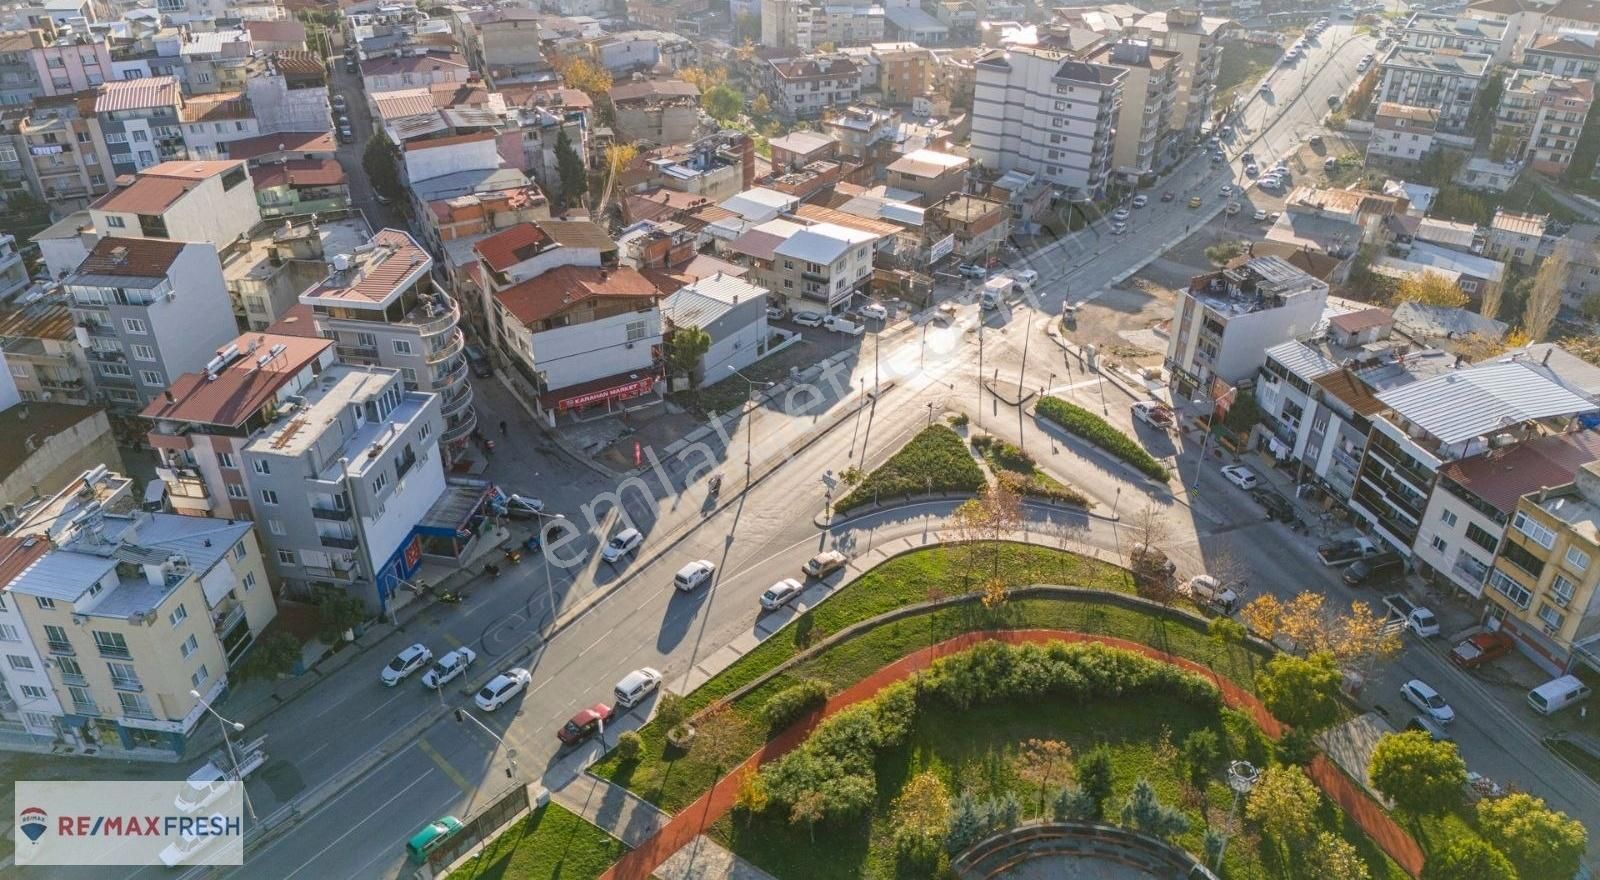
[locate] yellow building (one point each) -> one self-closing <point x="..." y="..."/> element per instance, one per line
<point x="121" y="613"/>
<point x="1544" y="579"/>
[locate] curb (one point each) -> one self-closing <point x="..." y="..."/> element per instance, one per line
<point x="828" y="522"/>
<point x="1055" y="428"/>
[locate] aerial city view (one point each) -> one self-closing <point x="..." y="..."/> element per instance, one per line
<point x="791" y="439"/>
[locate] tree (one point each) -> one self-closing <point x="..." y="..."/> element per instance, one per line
<point x="808" y="810"/>
<point x="337" y="613"/>
<point x="1586" y="347"/>
<point x="1094" y="777"/>
<point x="274" y="655"/>
<point x="1220" y="253"/>
<point x="1074" y="805"/>
<point x="1430" y="289"/>
<point x="921" y="818"/>
<point x="629" y="745"/>
<point x="1420" y="775"/>
<point x="1301" y="691"/>
<point x="1152" y="571"/>
<point x="1045" y="763"/>
<point x="982" y="522"/>
<point x="1467" y="858"/>
<point x="1544" y="295"/>
<point x="619" y="156"/>
<point x="723" y="103"/>
<point x="703" y="78"/>
<point x="1223" y="633"/>
<point x="719" y="735"/>
<point x="1261" y="615"/>
<point x="1334" y="858"/>
<point x="967" y="825"/>
<point x="1284" y="803"/>
<point x="685" y="348"/>
<point x="1539" y="841"/>
<point x="1362" y="637"/>
<point x="382" y="171"/>
<point x="1201" y="750"/>
<point x="752" y="795"/>
<point x="1243" y="414"/>
<point x="583" y="75"/>
<point x="1480" y="119"/>
<point x="1303" y="621"/>
<point x="569" y="169"/>
<point x="1145" y="812"/>
<point x="761" y="106"/>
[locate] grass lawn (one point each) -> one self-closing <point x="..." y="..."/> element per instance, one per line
<point x="551" y="842"/>
<point x="1017" y="471"/>
<point x="974" y="751"/>
<point x="672" y="779"/>
<point x="1242" y="64"/>
<point x="935" y="459"/>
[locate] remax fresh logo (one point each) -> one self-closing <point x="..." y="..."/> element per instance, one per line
<point x="33" y="823"/>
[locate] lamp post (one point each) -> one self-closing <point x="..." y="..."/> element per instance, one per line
<point x="227" y="742"/>
<point x="1205" y="445"/>
<point x="749" y="417"/>
<point x="1242" y="777"/>
<point x="511" y="754"/>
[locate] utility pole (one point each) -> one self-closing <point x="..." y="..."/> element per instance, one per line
<point x="227" y="742"/>
<point x="511" y="754"/>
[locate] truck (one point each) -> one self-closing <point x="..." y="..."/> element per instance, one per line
<point x="995" y="291"/>
<point x="843" y="325"/>
<point x="1345" y="552"/>
<point x="1155" y="414"/>
<point x="220" y="774"/>
<point x="1414" y="617"/>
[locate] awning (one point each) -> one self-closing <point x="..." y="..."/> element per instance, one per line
<point x="605" y="390"/>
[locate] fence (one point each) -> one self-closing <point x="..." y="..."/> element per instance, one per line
<point x="480" y="827"/>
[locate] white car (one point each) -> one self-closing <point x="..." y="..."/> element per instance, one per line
<point x="1118" y="228"/>
<point x="1141" y="201"/>
<point x="1425" y="698"/>
<point x="635" y="686"/>
<point x="405" y="663"/>
<point x="776" y="313"/>
<point x="1227" y="190"/>
<point x="691" y="576"/>
<point x="622" y="544"/>
<point x="972" y="270"/>
<point x="781" y="594"/>
<point x="876" y="311"/>
<point x="809" y="319"/>
<point x="1120" y="214"/>
<point x="1260" y="214"/>
<point x="502" y="688"/>
<point x="1026" y="276"/>
<point x="1240" y="476"/>
<point x="449" y="667"/>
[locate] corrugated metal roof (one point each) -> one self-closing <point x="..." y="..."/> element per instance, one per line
<point x="1470" y="403"/>
<point x="1301" y="360"/>
<point x="706" y="300"/>
<point x="137" y="94"/>
<point x="822" y="243"/>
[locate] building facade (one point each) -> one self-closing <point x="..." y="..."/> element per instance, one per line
<point x="1040" y="111"/>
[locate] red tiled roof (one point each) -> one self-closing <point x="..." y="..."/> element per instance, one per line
<point x="1504" y="475"/>
<point x="286" y="31"/>
<point x="375" y="274"/>
<point x="155" y="189"/>
<point x="134" y="257"/>
<point x="756" y="243"/>
<point x="242" y="387"/>
<point x="291" y="141"/>
<point x="509" y="247"/>
<point x="16" y="554"/>
<point x="410" y="63"/>
<point x="1366" y="319"/>
<point x="558" y="289"/>
<point x="298" y="172"/>
<point x="297" y="320"/>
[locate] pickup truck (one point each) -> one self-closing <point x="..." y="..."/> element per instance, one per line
<point x="1156" y="415"/>
<point x="1417" y="619"/>
<point x="842" y="325"/>
<point x="1345" y="552"/>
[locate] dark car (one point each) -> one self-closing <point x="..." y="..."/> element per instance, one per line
<point x="1277" y="507"/>
<point x="350" y="65"/>
<point x="481" y="367"/>
<point x="1375" y="570"/>
<point x="1479" y="649"/>
<point x="346" y="136"/>
<point x="585" y="724"/>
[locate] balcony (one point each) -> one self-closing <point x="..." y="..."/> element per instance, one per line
<point x="351" y="350"/>
<point x="436" y="323"/>
<point x="106" y="356"/>
<point x="454" y="403"/>
<point x="452" y="379"/>
<point x="331" y="513"/>
<point x="462" y="430"/>
<point x="131" y="685"/>
<point x="815" y="277"/>
<point x="227" y="616"/>
<point x="85" y="707"/>
<point x="114" y="381"/>
<point x="340" y="542"/>
<point x="447" y="350"/>
<point x="140" y="712"/>
<point x="60" y="649"/>
<point x="115" y="652"/>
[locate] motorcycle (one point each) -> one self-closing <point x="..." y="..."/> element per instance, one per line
<point x="492" y="570"/>
<point x="450" y="597"/>
<point x="716" y="485"/>
<point x="513" y="555"/>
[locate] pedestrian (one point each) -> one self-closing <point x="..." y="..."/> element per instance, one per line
<point x="502" y="427"/>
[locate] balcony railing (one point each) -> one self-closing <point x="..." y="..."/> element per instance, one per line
<point x="460" y="432"/>
<point x="447" y="350"/>
<point x="227" y="617"/>
<point x="73" y="678"/>
<point x="439" y="323"/>
<point x="138" y="712"/>
<point x="85" y="707"/>
<point x="332" y="513"/>
<point x="114" y="651"/>
<point x="453" y="378"/>
<point x="340" y="542"/>
<point x="62" y="649"/>
<point x="454" y="403"/>
<point x="127" y="684"/>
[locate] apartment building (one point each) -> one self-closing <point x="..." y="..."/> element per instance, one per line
<point x="341" y="477"/>
<point x="54" y="444"/>
<point x="1067" y="136"/>
<point x="382" y="306"/>
<point x="203" y="421"/>
<point x="659" y="112"/>
<point x="181" y="201"/>
<point x="138" y="121"/>
<point x="929" y="173"/>
<point x="1432" y="30"/>
<point x="1515" y="237"/>
<point x="1445" y="79"/>
<point x="1197" y="39"/>
<point x="267" y="269"/>
<point x="41" y="349"/>
<point x="865" y="134"/>
<point x="732" y="311"/>
<point x="1541" y="116"/>
<point x="147" y="311"/>
<point x="905" y="71"/>
<point x="412" y="68"/>
<point x="1226" y="321"/>
<point x="1402" y="133"/>
<point x="1149" y="92"/>
<point x="116" y="616"/>
<point x="1545" y="585"/>
<point x="62" y="154"/>
<point x="802" y="88"/>
<point x="62" y="64"/>
<point x="1569" y="55"/>
<point x="716" y="167"/>
<point x="788" y="24"/>
<point x="824" y="264"/>
<point x="288" y="93"/>
<point x="641" y="51"/>
<point x="502" y="43"/>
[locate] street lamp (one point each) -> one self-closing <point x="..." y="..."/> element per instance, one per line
<point x="749" y="430"/>
<point x="1205" y="444"/>
<point x="1242" y="777"/>
<point x="511" y="754"/>
<point x="228" y="743"/>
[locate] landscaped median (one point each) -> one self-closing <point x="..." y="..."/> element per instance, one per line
<point x="1077" y="420"/>
<point x="936" y="460"/>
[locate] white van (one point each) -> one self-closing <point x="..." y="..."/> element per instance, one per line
<point x="1557" y="694"/>
<point x="202" y="788"/>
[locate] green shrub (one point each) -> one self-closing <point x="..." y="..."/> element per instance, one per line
<point x="628" y="746"/>
<point x="794" y="701"/>
<point x="1098" y="431"/>
<point x="934" y="458"/>
<point x="959" y="420"/>
<point x="1094" y="779"/>
<point x="1079" y="671"/>
<point x="1201" y="751"/>
<point x="1033" y="487"/>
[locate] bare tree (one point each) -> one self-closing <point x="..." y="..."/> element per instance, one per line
<point x="1149" y="527"/>
<point x="1544" y="295"/>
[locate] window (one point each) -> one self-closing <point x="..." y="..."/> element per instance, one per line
<point x="44" y="603"/>
<point x="110" y="644"/>
<point x="178" y="615"/>
<point x="116" y="222"/>
<point x="134" y="325"/>
<point x="1577" y="560"/>
<point x="240" y="551"/>
<point x="636" y="331"/>
<point x="269" y="497"/>
<point x="275" y="526"/>
<point x="1448" y="517"/>
<point x="33" y="692"/>
<point x="1438" y="543"/>
<point x="260" y="466"/>
<point x="1480" y="536"/>
<point x="189" y="646"/>
<point x="378" y="482"/>
<point x="1552" y="618"/>
<point x="151" y="377"/>
<point x="1540" y="535"/>
<point x="1561" y="589"/>
<point x="1519" y="556"/>
<point x="56" y="638"/>
<point x="1509" y="588"/>
<point x="8" y="633"/>
<point x="20" y="663"/>
<point x="249" y="581"/>
<point x="146" y="158"/>
<point x="237" y="490"/>
<point x="402" y="346"/>
<point x="286" y="557"/>
<point x="199" y="677"/>
<point x="140" y="136"/>
<point x="135" y="705"/>
<point x="225" y="459"/>
<point x="123" y="675"/>
<point x="144" y="353"/>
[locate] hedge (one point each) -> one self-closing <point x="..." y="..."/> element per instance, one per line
<point x="1098" y="431"/>
<point x="793" y="701"/>
<point x="937" y="453"/>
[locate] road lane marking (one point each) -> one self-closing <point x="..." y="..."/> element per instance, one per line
<point x="398" y="689"/>
<point x="444" y="766"/>
<point x="364" y="819"/>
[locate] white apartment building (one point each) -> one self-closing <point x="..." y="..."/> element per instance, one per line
<point x="1227" y="320"/>
<point x="802" y="88"/>
<point x="1197" y="39"/>
<point x="187" y="200"/>
<point x="1041" y="111"/>
<point x="1432" y="30"/>
<point x="1402" y="133"/>
<point x="824" y="263"/>
<point x="1149" y="92"/>
<point x="1447" y="80"/>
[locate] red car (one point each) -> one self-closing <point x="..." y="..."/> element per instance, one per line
<point x="1480" y="649"/>
<point x="585" y="724"/>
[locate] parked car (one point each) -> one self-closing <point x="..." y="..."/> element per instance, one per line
<point x="346" y="136"/>
<point x="809" y="319"/>
<point x="692" y="575"/>
<point x="843" y="325"/>
<point x="972" y="270"/>
<point x="1432" y="728"/>
<point x="1194" y="201"/>
<point x="1275" y="503"/>
<point x="1476" y="650"/>
<point x="1119" y="228"/>
<point x="1152" y="413"/>
<point x="825" y="563"/>
<point x="1208" y="591"/>
<point x="1227" y="190"/>
<point x="1028" y="277"/>
<point x="1233" y="208"/>
<point x="481" y="367"/>
<point x="1378" y="569"/>
<point x="776" y="313"/>
<point x="585" y="724"/>
<point x="1419" y="694"/>
<point x="1334" y="102"/>
<point x="875" y="311"/>
<point x="431" y="838"/>
<point x="1120" y="214"/>
<point x="1417" y="619"/>
<point x="1252" y="170"/>
<point x="502" y="688"/>
<point x="406" y="662"/>
<point x="1557" y="694"/>
<point x="1140" y="201"/>
<point x="781" y="594"/>
<point x="1240" y="476"/>
<point x="623" y="543"/>
<point x="1260" y="214"/>
<point x="449" y="667"/>
<point x="338" y="104"/>
<point x="636" y="685"/>
<point x="1168" y="196"/>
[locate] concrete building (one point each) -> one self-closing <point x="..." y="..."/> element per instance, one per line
<point x="1067" y="137"/>
<point x="1545" y="585"/>
<point x="503" y="44"/>
<point x="412" y="69"/>
<point x="1541" y="117"/>
<point x="340" y="479"/>
<point x="802" y="88"/>
<point x="1227" y="320"/>
<point x="204" y="420"/>
<point x="133" y="611"/>
<point x="905" y="71"/>
<point x="733" y="312"/>
<point x="979" y="226"/>
<point x="1569" y="55"/>
<point x="1515" y="237"/>
<point x="268" y="269"/>
<point x="1149" y="92"/>
<point x="62" y="153"/>
<point x="382" y="307"/>
<point x="288" y="93"/>
<point x="1402" y="133"/>
<point x="660" y="112"/>
<point x="929" y="173"/>
<point x="181" y="201"/>
<point x="138" y="122"/>
<point x="822" y="264"/>
<point x="52" y="443"/>
<point x="1445" y="79"/>
<point x="1197" y="39"/>
<point x="1432" y="30"/>
<point x="865" y="134"/>
<point x="147" y="311"/>
<point x="42" y="352"/>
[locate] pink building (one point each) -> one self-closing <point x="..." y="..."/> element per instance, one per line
<point x="70" y="64"/>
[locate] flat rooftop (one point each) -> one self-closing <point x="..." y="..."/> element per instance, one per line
<point x="340" y="387"/>
<point x="252" y="259"/>
<point x="1440" y="61"/>
<point x="372" y="274"/>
